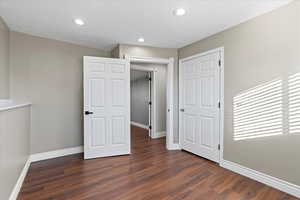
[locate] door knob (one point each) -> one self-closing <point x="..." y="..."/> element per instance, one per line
<point x="181" y="110"/>
<point x="88" y="113"/>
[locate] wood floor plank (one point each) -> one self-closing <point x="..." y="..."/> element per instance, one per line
<point x="149" y="173"/>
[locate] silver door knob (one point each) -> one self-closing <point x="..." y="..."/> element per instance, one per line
<point x="181" y="110"/>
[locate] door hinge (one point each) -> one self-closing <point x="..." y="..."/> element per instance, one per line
<point x="219" y="146"/>
<point x="219" y="104"/>
<point x="150" y="79"/>
<point x="150" y="127"/>
<point x="150" y="103"/>
<point x="220" y="63"/>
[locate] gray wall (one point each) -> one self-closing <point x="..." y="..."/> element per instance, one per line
<point x="257" y="51"/>
<point x="4" y="60"/>
<point x="144" y="51"/>
<point x="48" y="73"/>
<point x="14" y="147"/>
<point x="14" y="126"/>
<point x="139" y="97"/>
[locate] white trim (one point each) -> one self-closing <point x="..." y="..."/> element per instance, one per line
<point x="159" y="134"/>
<point x="170" y="91"/>
<point x="39" y="157"/>
<point x="222" y="89"/>
<point x="170" y="105"/>
<point x="55" y="154"/>
<point x="139" y="125"/>
<point x="141" y="68"/>
<point x="153" y="100"/>
<point x="15" y="192"/>
<point x="221" y="131"/>
<point x="202" y="54"/>
<point x="11" y="105"/>
<point x="277" y="183"/>
<point x="137" y="59"/>
<point x="174" y="147"/>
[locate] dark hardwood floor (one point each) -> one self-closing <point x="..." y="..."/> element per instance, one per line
<point x="149" y="173"/>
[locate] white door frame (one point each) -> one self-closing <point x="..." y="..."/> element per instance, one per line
<point x="170" y="91"/>
<point x="221" y="51"/>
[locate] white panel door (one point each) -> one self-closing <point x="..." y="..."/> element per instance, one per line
<point x="106" y="107"/>
<point x="199" y="105"/>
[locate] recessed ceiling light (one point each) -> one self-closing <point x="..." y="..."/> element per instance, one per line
<point x="79" y="22"/>
<point x="179" y="12"/>
<point x="141" y="39"/>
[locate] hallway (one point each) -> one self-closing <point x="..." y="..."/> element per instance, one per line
<point x="150" y="172"/>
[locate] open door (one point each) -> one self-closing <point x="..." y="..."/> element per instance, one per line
<point x="150" y="103"/>
<point x="106" y="107"/>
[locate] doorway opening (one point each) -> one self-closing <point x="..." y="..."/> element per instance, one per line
<point x="151" y="87"/>
<point x="141" y="99"/>
<point x="148" y="98"/>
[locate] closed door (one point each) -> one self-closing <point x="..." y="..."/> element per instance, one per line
<point x="106" y="107"/>
<point x="199" y="105"/>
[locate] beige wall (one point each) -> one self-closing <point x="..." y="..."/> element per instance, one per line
<point x="257" y="51"/>
<point x="145" y="51"/>
<point x="14" y="147"/>
<point x="4" y="60"/>
<point x="48" y="73"/>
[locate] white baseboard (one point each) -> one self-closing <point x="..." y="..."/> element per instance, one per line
<point x="159" y="135"/>
<point x="173" y="147"/>
<point x="18" y="185"/>
<point x="55" y="154"/>
<point x="139" y="125"/>
<point x="277" y="183"/>
<point x="39" y="157"/>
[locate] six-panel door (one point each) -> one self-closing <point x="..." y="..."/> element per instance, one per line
<point x="106" y="97"/>
<point x="199" y="110"/>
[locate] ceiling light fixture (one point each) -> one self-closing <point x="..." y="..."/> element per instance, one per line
<point x="179" y="12"/>
<point x="141" y="40"/>
<point x="79" y="22"/>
